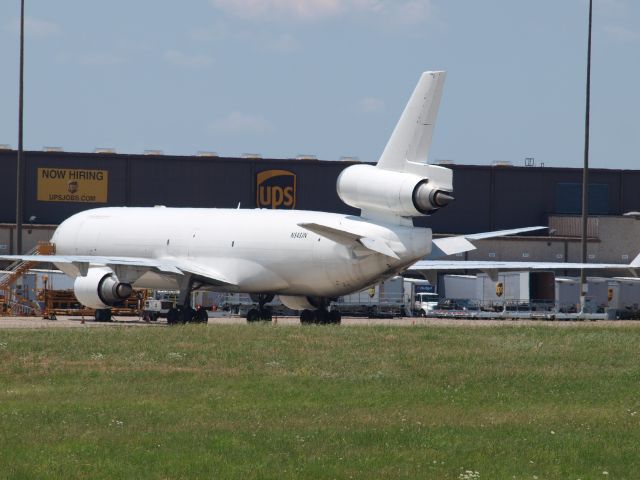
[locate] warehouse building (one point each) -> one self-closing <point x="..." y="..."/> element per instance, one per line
<point x="58" y="184"/>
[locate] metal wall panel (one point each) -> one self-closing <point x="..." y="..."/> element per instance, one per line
<point x="487" y="198"/>
<point x="523" y="196"/>
<point x="472" y="209"/>
<point x="571" y="226"/>
<point x="569" y="199"/>
<point x="629" y="191"/>
<point x="189" y="182"/>
<point x="8" y="186"/>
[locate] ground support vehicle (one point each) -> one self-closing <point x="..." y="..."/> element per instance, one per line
<point x="64" y="302"/>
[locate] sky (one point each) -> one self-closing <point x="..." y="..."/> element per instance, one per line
<point x="324" y="77"/>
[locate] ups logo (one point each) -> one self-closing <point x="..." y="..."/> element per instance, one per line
<point x="276" y="189"/>
<point x="499" y="289"/>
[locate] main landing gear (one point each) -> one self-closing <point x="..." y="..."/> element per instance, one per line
<point x="263" y="312"/>
<point x="320" y="316"/>
<point x="183" y="312"/>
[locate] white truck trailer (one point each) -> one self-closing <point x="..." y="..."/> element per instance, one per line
<point x="395" y="297"/>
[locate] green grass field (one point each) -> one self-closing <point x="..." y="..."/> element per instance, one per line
<point x="262" y="401"/>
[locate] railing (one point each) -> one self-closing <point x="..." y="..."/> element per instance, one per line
<point x="19" y="267"/>
<point x="17" y="309"/>
<point x="534" y="309"/>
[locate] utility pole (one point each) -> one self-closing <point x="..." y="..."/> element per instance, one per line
<point x="20" y="166"/>
<point x="585" y="172"/>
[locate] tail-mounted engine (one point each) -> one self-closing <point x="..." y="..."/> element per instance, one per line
<point x="100" y="288"/>
<point x="402" y="194"/>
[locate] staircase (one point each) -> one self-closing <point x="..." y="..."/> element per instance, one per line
<point x="18" y="268"/>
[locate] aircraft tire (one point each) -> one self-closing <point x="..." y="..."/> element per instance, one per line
<point x="307" y="317"/>
<point x="102" y="315"/>
<point x="422" y="314"/>
<point x="188" y="315"/>
<point x="201" y="316"/>
<point x="266" y="315"/>
<point x="173" y="316"/>
<point x="335" y="317"/>
<point x="253" y="315"/>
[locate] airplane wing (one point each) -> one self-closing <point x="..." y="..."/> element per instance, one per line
<point x="211" y="276"/>
<point x="96" y="260"/>
<point x="427" y="265"/>
<point x="167" y="265"/>
<point x="342" y="235"/>
<point x="460" y="244"/>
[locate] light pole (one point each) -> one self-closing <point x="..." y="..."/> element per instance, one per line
<point x="19" y="165"/>
<point x="585" y="171"/>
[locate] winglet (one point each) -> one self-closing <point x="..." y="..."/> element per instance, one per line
<point x="635" y="263"/>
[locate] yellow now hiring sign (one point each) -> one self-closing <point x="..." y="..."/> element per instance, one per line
<point x="72" y="185"/>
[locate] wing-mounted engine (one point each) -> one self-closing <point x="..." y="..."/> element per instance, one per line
<point x="403" y="194"/>
<point x="100" y="288"/>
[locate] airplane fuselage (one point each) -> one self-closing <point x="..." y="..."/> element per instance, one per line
<point x="256" y="253"/>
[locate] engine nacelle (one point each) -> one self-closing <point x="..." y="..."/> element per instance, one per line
<point x="100" y="288"/>
<point x="399" y="193"/>
<point x="299" y="302"/>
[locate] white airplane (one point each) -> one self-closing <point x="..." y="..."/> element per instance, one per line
<point x="307" y="258"/>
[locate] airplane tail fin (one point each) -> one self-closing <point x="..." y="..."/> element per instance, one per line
<point x="402" y="185"/>
<point x="411" y="138"/>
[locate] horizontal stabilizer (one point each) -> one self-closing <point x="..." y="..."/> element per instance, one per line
<point x="502" y="233"/>
<point x="460" y="244"/>
<point x="450" y="246"/>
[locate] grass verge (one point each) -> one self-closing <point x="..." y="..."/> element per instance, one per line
<point x="260" y="401"/>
